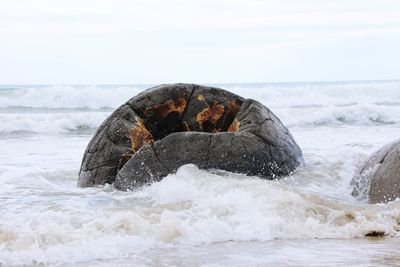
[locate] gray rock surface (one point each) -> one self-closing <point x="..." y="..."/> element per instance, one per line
<point x="379" y="178"/>
<point x="167" y="126"/>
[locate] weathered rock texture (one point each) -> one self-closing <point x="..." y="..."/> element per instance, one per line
<point x="168" y="126"/>
<point x="379" y="178"/>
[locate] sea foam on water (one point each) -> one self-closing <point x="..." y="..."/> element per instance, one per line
<point x="45" y="218"/>
<point x="60" y="109"/>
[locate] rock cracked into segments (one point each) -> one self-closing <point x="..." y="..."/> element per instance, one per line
<point x="379" y="178"/>
<point x="167" y="126"/>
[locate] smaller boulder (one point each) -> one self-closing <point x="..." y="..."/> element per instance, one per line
<point x="379" y="178"/>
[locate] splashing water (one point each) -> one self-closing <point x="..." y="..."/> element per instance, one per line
<point x="195" y="217"/>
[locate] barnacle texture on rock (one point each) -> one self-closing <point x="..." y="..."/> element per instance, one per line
<point x="167" y="126"/>
<point x="379" y="178"/>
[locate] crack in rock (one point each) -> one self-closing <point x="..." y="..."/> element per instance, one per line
<point x="217" y="131"/>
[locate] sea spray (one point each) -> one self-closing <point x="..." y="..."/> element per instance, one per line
<point x="195" y="216"/>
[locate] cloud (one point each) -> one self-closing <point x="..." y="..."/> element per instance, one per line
<point x="140" y="15"/>
<point x="39" y="35"/>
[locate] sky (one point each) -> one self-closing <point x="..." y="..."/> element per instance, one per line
<point x="205" y="41"/>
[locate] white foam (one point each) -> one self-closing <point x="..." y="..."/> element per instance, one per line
<point x="50" y="122"/>
<point x="362" y="114"/>
<point x="46" y="219"/>
<point x="272" y="95"/>
<point x="321" y="94"/>
<point x="363" y="103"/>
<point x="93" y="97"/>
<point x="368" y="103"/>
<point x="61" y="122"/>
<point x="191" y="207"/>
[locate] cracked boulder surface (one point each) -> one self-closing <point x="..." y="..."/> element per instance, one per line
<point x="167" y="126"/>
<point x="378" y="180"/>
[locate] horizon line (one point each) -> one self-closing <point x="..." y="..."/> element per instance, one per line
<point x="206" y="83"/>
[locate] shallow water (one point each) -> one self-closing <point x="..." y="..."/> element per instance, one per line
<point x="294" y="252"/>
<point x="196" y="217"/>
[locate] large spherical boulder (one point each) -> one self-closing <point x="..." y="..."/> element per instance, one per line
<point x="167" y="126"/>
<point x="379" y="178"/>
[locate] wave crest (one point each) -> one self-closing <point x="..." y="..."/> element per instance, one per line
<point x="58" y="109"/>
<point x="91" y="97"/>
<point x="50" y="122"/>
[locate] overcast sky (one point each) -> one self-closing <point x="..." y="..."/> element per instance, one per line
<point x="205" y="41"/>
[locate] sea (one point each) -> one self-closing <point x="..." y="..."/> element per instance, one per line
<point x="197" y="217"/>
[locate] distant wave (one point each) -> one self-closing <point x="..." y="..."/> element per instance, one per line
<point x="367" y="103"/>
<point x="50" y="122"/>
<point x="322" y="94"/>
<point x="272" y="95"/>
<point x="54" y="122"/>
<point x="59" y="109"/>
<point x="91" y="97"/>
<point x="361" y="114"/>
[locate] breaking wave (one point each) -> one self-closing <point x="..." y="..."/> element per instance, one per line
<point x="58" y="109"/>
<point x="50" y="122"/>
<point x="67" y="96"/>
<point x="191" y="207"/>
<point x="46" y="220"/>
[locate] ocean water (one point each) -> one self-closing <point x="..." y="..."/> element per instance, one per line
<point x="196" y="217"/>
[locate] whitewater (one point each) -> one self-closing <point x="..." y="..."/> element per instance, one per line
<point x="196" y="217"/>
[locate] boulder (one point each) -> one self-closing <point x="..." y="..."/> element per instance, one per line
<point x="379" y="178"/>
<point x="167" y="126"/>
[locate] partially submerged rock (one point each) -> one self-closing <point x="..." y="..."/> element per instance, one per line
<point x="379" y="178"/>
<point x="167" y="126"/>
